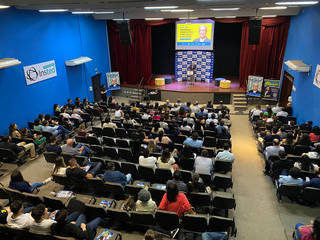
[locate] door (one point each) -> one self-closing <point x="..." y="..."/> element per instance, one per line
<point x="96" y="87"/>
<point x="286" y="88"/>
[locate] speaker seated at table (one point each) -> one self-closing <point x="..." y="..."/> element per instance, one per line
<point x="159" y="81"/>
<point x="225" y="84"/>
<point x="217" y="81"/>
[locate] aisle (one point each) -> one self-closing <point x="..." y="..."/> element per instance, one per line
<point x="256" y="214"/>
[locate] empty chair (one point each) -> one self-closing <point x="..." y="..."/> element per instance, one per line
<point x="53" y="202"/>
<point x="111" y="152"/>
<point x="181" y="139"/>
<point x="200" y="199"/>
<point x="50" y="157"/>
<point x="125" y="154"/>
<point x="119" y="215"/>
<point x="109" y="141"/>
<point x="98" y="150"/>
<point x="163" y="175"/>
<point x="19" y="233"/>
<point x="224" y="200"/>
<point x="40" y="236"/>
<point x="167" y="220"/>
<point x="221" y="224"/>
<point x="186" y="175"/>
<point x="15" y="194"/>
<point x="122" y="143"/>
<point x="62" y="180"/>
<point x="97" y="184"/>
<point x="81" y="139"/>
<point x="300" y="149"/>
<point x="75" y="205"/>
<point x="66" y="158"/>
<point x="115" y="188"/>
<point x="146" y="172"/>
<point x="209" y="142"/>
<point x="143" y="218"/>
<point x="187" y="164"/>
<point x="208" y="133"/>
<point x="93" y="140"/>
<point x="30" y="125"/>
<point x="121" y="133"/>
<point x="100" y="160"/>
<point x="98" y="131"/>
<point x="185" y="132"/>
<point x="222" y="181"/>
<point x="127" y="125"/>
<point x="223" y="167"/>
<point x="310" y="195"/>
<point x="130" y="168"/>
<point x="288" y="190"/>
<point x="207" y="179"/>
<point x="9" y="154"/>
<point x="223" y="141"/>
<point x="33" y="199"/>
<point x="96" y="113"/>
<point x="156" y="194"/>
<point x="108" y="132"/>
<point x="78" y="182"/>
<point x="4" y="194"/>
<point x="195" y="223"/>
<point x="94" y="211"/>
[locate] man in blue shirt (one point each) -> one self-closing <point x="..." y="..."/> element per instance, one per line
<point x="194" y="142"/>
<point x="115" y="176"/>
<point x="202" y="112"/>
<point x="314" y="182"/>
<point x="55" y="130"/>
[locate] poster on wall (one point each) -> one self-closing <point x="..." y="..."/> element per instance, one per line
<point x="316" y="80"/>
<point x="271" y="89"/>
<point x="254" y="86"/>
<point x="113" y="80"/>
<point x="39" y="72"/>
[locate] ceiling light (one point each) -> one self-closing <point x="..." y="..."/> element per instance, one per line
<point x="224" y="9"/>
<point x="185" y="18"/>
<point x="4" y="6"/>
<point x="121" y="19"/>
<point x="297" y="3"/>
<point x="272" y="8"/>
<point x="82" y="12"/>
<point x="151" y="19"/>
<point x="269" y="16"/>
<point x="102" y="12"/>
<point x="53" y="10"/>
<point x="227" y="17"/>
<point x="163" y="7"/>
<point x="178" y="10"/>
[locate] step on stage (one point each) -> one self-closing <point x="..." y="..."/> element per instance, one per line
<point x="201" y="91"/>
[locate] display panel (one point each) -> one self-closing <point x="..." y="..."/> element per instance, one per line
<point x="113" y="80"/>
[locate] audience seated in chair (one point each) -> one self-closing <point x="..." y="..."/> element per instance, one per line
<point x="224" y="134"/>
<point x="225" y="155"/>
<point x="18" y="148"/>
<point x="283" y="163"/>
<point x="146" y="161"/>
<point x="53" y="146"/>
<point x="145" y="202"/>
<point x="60" y="167"/>
<point x="309" y="232"/>
<point x="76" y="115"/>
<point x="273" y="150"/>
<point x="153" y="147"/>
<point x="186" y="152"/>
<point x="196" y="184"/>
<point x="305" y="164"/>
<point x="194" y="142"/>
<point x="182" y="187"/>
<point x="82" y="132"/>
<point x="115" y="176"/>
<point x="166" y="161"/>
<point x="109" y="124"/>
<point x="19" y="217"/>
<point x="41" y="222"/>
<point x="162" y="139"/>
<point x="14" y="131"/>
<point x="139" y="134"/>
<point x="203" y="164"/>
<point x="294" y="178"/>
<point x="220" y="126"/>
<point x="79" y="150"/>
<point x="282" y="113"/>
<point x="64" y="112"/>
<point x="55" y="130"/>
<point x="75" y="170"/>
<point x="18" y="183"/>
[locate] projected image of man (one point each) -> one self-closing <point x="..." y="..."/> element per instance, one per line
<point x="114" y="83"/>
<point x="203" y="34"/>
<point x="255" y="88"/>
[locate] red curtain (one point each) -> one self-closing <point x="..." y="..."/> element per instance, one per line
<point x="134" y="62"/>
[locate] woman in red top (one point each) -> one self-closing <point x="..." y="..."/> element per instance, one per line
<point x="173" y="201"/>
<point x="156" y="116"/>
<point x="315" y="134"/>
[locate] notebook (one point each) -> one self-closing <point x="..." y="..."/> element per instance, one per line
<point x="105" y="204"/>
<point x="64" y="194"/>
<point x="106" y="235"/>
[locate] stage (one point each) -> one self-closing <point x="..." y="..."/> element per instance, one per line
<point x="201" y="91"/>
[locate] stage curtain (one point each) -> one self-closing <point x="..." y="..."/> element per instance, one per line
<point x="265" y="59"/>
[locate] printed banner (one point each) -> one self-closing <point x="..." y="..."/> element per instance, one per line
<point x="316" y="80"/>
<point x="113" y="80"/>
<point x="203" y="61"/>
<point x="254" y="86"/>
<point x="271" y="89"/>
<point x="39" y="72"/>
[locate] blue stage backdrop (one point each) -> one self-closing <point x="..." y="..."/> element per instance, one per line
<point x="203" y="60"/>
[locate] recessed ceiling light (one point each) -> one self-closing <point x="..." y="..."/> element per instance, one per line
<point x="224" y="9"/>
<point x="272" y="8"/>
<point x="4" y="6"/>
<point x="269" y="16"/>
<point x="185" y="18"/>
<point x="163" y="7"/>
<point x="121" y="19"/>
<point x="227" y="17"/>
<point x="83" y="12"/>
<point x="178" y="10"/>
<point x="297" y="3"/>
<point x="102" y="12"/>
<point x="53" y="10"/>
<point x="151" y="19"/>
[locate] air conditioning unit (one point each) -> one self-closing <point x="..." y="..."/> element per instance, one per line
<point x="77" y="61"/>
<point x="298" y="65"/>
<point x="8" y="62"/>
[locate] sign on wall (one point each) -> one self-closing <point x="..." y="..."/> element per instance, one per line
<point x="271" y="89"/>
<point x="113" y="80"/>
<point x="316" y="80"/>
<point x="39" y="72"/>
<point x="254" y="86"/>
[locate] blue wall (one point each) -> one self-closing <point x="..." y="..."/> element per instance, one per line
<point x="34" y="37"/>
<point x="304" y="44"/>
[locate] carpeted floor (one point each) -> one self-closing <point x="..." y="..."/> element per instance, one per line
<point x="258" y="213"/>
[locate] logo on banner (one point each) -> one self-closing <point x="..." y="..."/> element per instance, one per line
<point x="39" y="72"/>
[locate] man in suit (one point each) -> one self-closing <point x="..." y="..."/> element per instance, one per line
<point x="267" y="93"/>
<point x="255" y="88"/>
<point x="192" y="68"/>
<point x="202" y="34"/>
<point x="114" y="83"/>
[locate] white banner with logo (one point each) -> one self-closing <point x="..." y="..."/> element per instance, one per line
<point x="39" y="72"/>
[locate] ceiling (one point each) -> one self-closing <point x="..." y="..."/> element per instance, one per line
<point x="134" y="9"/>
